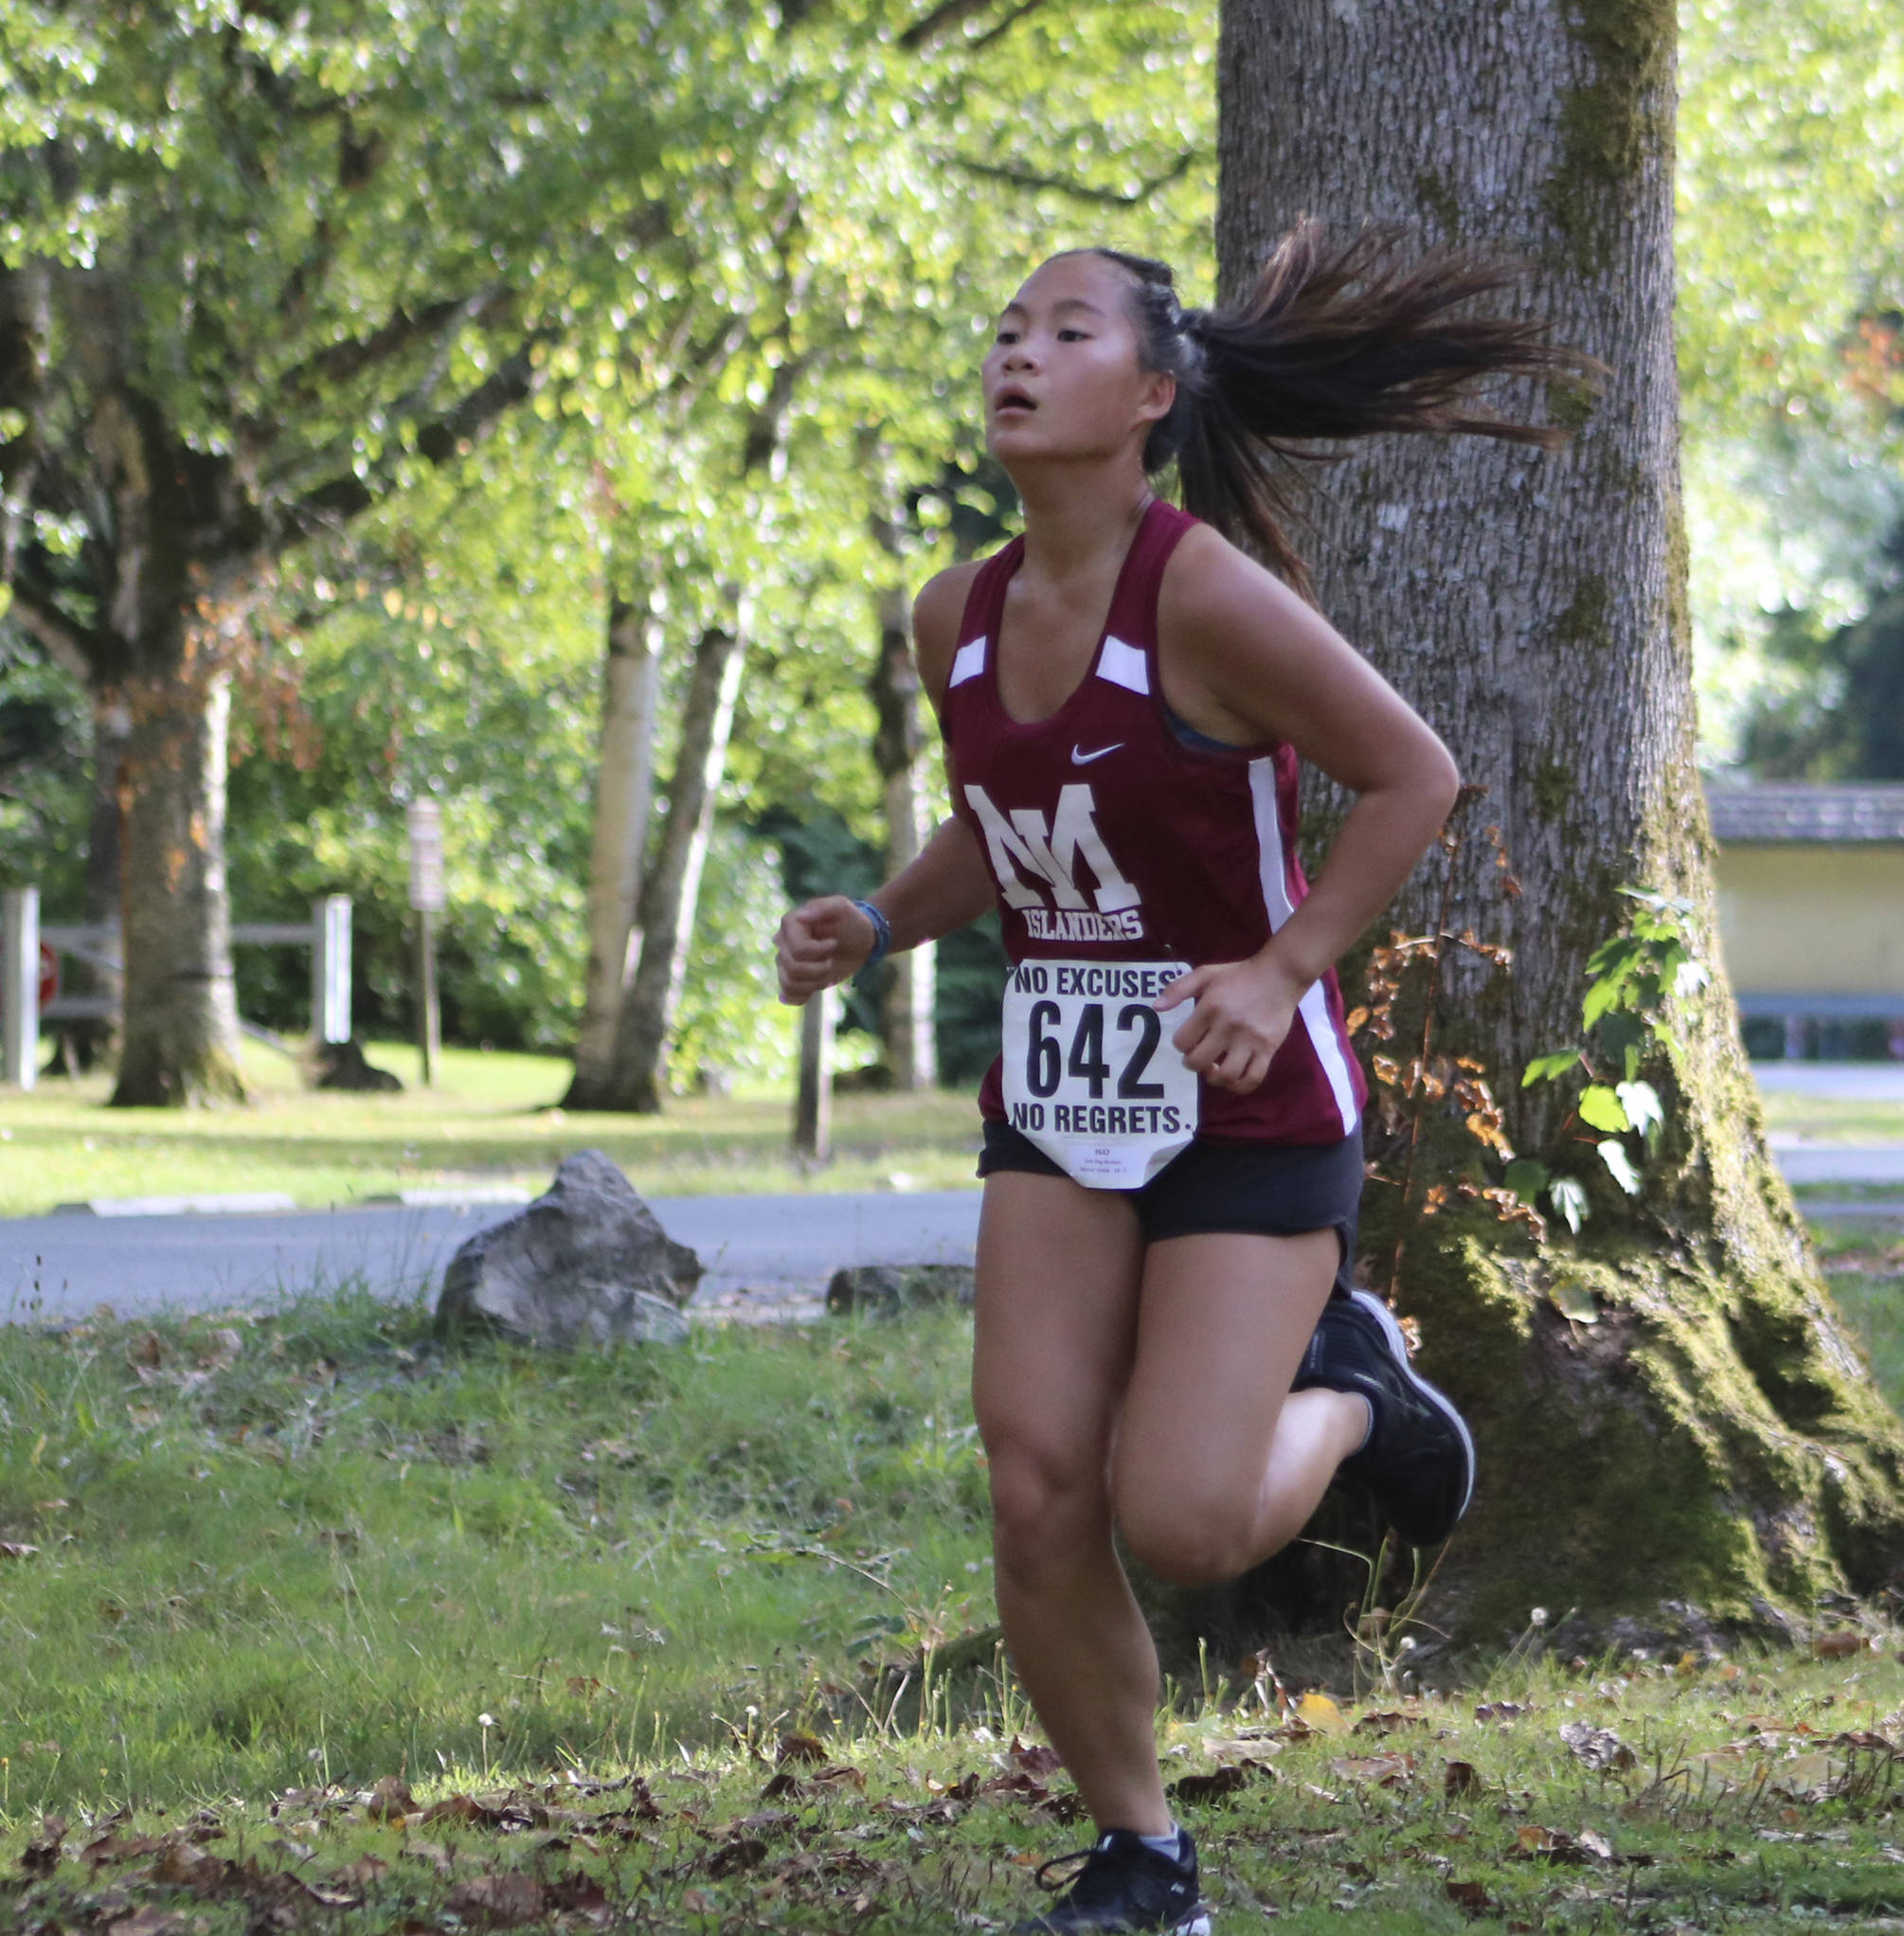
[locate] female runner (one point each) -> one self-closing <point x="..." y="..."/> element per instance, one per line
<point x="1123" y="695"/>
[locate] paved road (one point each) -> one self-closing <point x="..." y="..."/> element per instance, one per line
<point x="63" y="1266"/>
<point x="777" y="1246"/>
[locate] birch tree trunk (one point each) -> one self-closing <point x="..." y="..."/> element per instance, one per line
<point x="672" y="885"/>
<point x="1701" y="1429"/>
<point x="899" y="747"/>
<point x="623" y="792"/>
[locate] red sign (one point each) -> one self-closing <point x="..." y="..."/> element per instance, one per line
<point x="49" y="974"/>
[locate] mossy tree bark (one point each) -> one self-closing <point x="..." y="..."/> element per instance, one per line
<point x="1712" y="1435"/>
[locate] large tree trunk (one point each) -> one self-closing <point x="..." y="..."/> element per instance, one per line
<point x="899" y="748"/>
<point x="161" y="641"/>
<point x="181" y="1008"/>
<point x="623" y="791"/>
<point x="672" y="885"/>
<point x="1702" y="1429"/>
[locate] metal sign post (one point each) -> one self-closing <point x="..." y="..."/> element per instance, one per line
<point x="19" y="986"/>
<point x="427" y="899"/>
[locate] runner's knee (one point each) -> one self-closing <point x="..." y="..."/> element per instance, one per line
<point x="1046" y="1504"/>
<point x="1187" y="1540"/>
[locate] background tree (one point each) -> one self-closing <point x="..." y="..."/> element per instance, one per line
<point x="1790" y="238"/>
<point x="1667" y="1404"/>
<point x="260" y="274"/>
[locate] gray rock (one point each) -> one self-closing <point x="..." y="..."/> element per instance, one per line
<point x="889" y="1289"/>
<point x="586" y="1262"/>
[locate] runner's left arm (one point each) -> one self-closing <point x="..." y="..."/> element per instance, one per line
<point x="1247" y="660"/>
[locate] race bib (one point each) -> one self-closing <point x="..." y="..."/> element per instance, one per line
<point x="1091" y="1076"/>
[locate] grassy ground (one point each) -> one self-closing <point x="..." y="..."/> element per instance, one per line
<point x="1834" y="1118"/>
<point x="303" y="1618"/>
<point x="490" y="1117"/>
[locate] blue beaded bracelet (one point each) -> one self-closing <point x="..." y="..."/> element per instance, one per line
<point x="882" y="935"/>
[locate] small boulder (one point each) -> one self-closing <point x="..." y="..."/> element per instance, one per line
<point x="889" y="1289"/>
<point x="586" y="1262"/>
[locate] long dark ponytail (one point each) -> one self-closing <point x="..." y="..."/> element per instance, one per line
<point x="1337" y="340"/>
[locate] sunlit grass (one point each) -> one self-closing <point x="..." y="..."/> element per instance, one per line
<point x="280" y="1557"/>
<point x="1832" y="1118"/>
<point x="312" y="1538"/>
<point x="490" y="1117"/>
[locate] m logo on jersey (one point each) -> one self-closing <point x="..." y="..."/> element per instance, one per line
<point x="1025" y="848"/>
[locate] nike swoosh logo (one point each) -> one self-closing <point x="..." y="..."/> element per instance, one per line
<point x="1080" y="758"/>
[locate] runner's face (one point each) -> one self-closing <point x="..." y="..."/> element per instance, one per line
<point x="1063" y="377"/>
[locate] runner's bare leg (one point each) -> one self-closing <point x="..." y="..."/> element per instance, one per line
<point x="1218" y="1464"/>
<point x="1058" y="1272"/>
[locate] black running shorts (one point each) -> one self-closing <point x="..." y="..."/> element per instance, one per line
<point x="1259" y="1190"/>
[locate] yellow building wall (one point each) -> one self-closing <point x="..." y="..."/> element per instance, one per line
<point x="1812" y="920"/>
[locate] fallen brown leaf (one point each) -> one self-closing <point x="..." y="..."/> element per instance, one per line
<point x="738" y="1853"/>
<point x="769" y="1822"/>
<point x="187" y="1866"/>
<point x="1387" y="1722"/>
<point x="390" y="1799"/>
<point x="111" y="1848"/>
<point x="1532" y="1843"/>
<point x="16" y="1550"/>
<point x="1598" y="1749"/>
<point x="1209" y="1787"/>
<point x="1471" y="1898"/>
<point x="497" y="1902"/>
<point x="1385" y="1770"/>
<point x="151" y="1921"/>
<point x="1838" y="1646"/>
<point x="41" y="1856"/>
<point x="577" y="1890"/>
<point x="433" y="1853"/>
<point x="1034" y="1757"/>
<point x="1501" y="1711"/>
<point x="1459" y="1778"/>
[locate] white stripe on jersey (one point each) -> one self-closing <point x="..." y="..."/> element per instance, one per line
<point x="967" y="662"/>
<point x="1331" y="1050"/>
<point x="1124" y="665"/>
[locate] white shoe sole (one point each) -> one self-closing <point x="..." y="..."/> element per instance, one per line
<point x="1399" y="1347"/>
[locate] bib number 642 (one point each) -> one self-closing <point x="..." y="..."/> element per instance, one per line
<point x="1134" y="1036"/>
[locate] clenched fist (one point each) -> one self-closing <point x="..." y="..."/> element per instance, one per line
<point x="1243" y="1011"/>
<point x="820" y="942"/>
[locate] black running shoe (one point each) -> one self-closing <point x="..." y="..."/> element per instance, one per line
<point x="1123" y="1886"/>
<point x="1419" y="1458"/>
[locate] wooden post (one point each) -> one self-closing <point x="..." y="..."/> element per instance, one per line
<point x="19" y="986"/>
<point x="813" y="1103"/>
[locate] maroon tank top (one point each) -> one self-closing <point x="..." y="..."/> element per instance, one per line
<point x="1111" y="839"/>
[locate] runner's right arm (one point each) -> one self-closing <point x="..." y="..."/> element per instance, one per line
<point x="949" y="883"/>
<point x="827" y="940"/>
